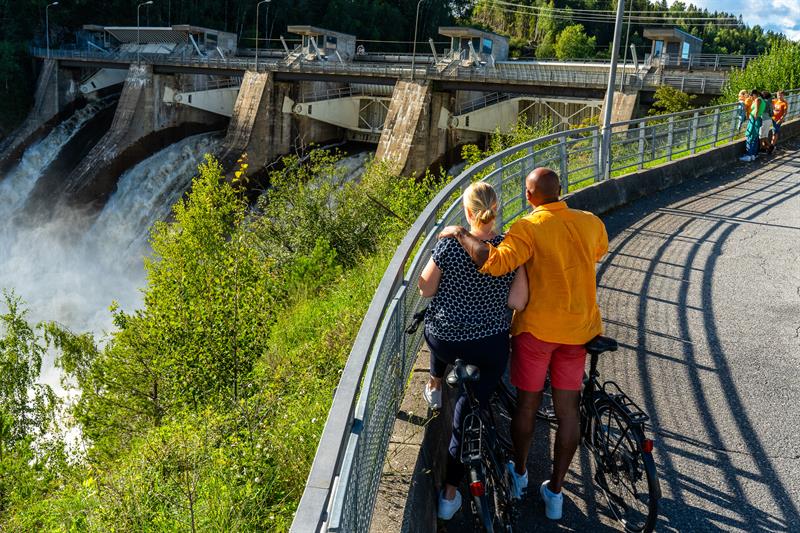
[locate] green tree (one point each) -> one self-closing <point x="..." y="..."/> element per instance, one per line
<point x="776" y="70"/>
<point x="671" y="100"/>
<point x="573" y="43"/>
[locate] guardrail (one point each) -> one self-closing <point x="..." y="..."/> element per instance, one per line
<point x="506" y="72"/>
<point x="712" y="61"/>
<point x="342" y="485"/>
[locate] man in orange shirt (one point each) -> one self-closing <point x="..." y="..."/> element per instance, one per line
<point x="779" y="109"/>
<point x="559" y="247"/>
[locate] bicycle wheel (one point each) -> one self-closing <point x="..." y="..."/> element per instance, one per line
<point x="626" y="474"/>
<point x="481" y="510"/>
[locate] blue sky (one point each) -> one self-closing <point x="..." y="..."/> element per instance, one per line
<point x="776" y="15"/>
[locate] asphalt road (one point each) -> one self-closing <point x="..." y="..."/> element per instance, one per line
<point x="701" y="287"/>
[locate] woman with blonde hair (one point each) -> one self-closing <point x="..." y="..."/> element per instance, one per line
<point x="468" y="318"/>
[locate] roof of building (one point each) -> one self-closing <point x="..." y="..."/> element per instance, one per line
<point x="469" y="33"/>
<point x="670" y="34"/>
<point x="313" y="31"/>
<point x="178" y="33"/>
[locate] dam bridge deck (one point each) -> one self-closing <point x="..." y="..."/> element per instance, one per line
<point x="567" y="78"/>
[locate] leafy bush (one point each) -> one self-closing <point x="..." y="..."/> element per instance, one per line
<point x="777" y="69"/>
<point x="670" y="100"/>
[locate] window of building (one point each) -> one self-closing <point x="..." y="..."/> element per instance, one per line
<point x="685" y="51"/>
<point x="487" y="46"/>
<point x="658" y="48"/>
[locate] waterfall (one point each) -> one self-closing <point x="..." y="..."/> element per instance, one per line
<point x="18" y="183"/>
<point x="70" y="267"/>
<point x="147" y="192"/>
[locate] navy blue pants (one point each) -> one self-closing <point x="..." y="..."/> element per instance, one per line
<point x="490" y="355"/>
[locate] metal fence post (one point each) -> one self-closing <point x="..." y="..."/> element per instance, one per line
<point x="596" y="159"/>
<point x="693" y="136"/>
<point x="716" y="126"/>
<point x="562" y="146"/>
<point x="641" y="145"/>
<point x="716" y="62"/>
<point x="670" y="137"/>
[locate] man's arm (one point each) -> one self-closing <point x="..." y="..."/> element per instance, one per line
<point x="477" y="249"/>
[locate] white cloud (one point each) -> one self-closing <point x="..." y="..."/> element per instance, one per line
<point x="776" y="15"/>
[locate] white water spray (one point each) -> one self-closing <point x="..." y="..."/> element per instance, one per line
<point x="18" y="183"/>
<point x="70" y="271"/>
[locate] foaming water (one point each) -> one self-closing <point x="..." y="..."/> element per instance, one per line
<point x="147" y="192"/>
<point x="71" y="267"/>
<point x="18" y="183"/>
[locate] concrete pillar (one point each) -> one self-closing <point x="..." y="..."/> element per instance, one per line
<point x="411" y="140"/>
<point x="263" y="129"/>
<point x="143" y="124"/>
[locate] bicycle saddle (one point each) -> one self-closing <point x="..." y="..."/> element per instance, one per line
<point x="462" y="372"/>
<point x="601" y="344"/>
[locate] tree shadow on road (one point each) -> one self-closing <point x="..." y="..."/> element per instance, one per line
<point x="664" y="242"/>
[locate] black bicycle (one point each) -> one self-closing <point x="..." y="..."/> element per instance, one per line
<point x="613" y="429"/>
<point x="484" y="452"/>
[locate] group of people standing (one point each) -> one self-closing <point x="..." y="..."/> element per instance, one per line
<point x="542" y="271"/>
<point x="762" y="114"/>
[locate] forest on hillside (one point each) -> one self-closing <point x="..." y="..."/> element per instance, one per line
<point x="538" y="28"/>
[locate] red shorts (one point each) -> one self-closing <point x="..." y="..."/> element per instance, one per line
<point x="531" y="358"/>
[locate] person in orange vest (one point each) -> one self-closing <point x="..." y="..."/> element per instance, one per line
<point x="779" y="109"/>
<point x="744" y="107"/>
<point x="753" y="131"/>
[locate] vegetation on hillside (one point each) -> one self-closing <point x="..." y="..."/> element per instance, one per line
<point x="203" y="410"/>
<point x="776" y="70"/>
<point x="535" y="26"/>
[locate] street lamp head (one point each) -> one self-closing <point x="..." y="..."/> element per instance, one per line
<point x="53" y="4"/>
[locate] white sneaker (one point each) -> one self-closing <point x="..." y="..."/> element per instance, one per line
<point x="447" y="508"/>
<point x="746" y="158"/>
<point x="552" y="502"/>
<point x="518" y="482"/>
<point x="433" y="397"/>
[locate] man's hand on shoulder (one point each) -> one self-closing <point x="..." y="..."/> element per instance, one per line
<point x="452" y="231"/>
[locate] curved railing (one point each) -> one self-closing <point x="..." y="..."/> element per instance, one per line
<point x="343" y="483"/>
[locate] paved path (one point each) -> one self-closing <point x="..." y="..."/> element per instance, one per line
<point x="702" y="290"/>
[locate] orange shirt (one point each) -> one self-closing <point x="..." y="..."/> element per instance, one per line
<point x="747" y="103"/>
<point x="779" y="109"/>
<point x="559" y="247"/>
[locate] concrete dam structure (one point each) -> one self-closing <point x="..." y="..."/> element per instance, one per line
<point x="182" y="80"/>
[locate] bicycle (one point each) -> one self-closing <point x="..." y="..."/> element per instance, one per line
<point x="483" y="452"/>
<point x="613" y="429"/>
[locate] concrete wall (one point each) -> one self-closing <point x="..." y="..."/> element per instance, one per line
<point x="411" y="140"/>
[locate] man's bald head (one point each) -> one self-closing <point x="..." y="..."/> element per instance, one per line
<point x="543" y="186"/>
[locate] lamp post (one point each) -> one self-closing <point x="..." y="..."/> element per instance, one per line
<point x="258" y="5"/>
<point x="414" y="49"/>
<point x="138" y="41"/>
<point x="605" y="145"/>
<point x="47" y="26"/>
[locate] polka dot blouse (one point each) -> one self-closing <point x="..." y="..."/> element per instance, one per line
<point x="468" y="304"/>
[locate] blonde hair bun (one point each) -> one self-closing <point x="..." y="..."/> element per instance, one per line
<point x="480" y="199"/>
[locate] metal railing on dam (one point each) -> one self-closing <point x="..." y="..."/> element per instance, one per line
<point x="343" y="483"/>
<point x="533" y="73"/>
